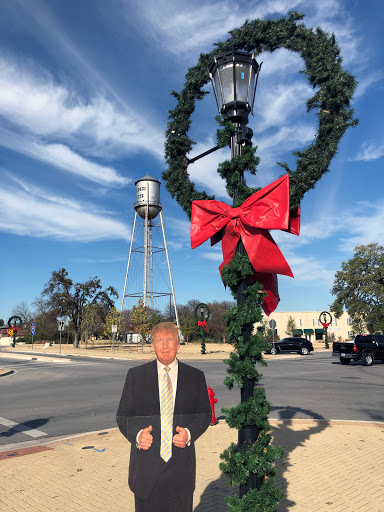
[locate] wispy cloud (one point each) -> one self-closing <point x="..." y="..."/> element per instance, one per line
<point x="34" y="102"/>
<point x="370" y="152"/>
<point x="276" y="104"/>
<point x="62" y="157"/>
<point x="367" y="81"/>
<point x="35" y="212"/>
<point x="179" y="227"/>
<point x="361" y="225"/>
<point x="364" y="226"/>
<point x="194" y="25"/>
<point x="204" y="172"/>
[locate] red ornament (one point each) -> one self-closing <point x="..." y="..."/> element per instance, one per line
<point x="266" y="209"/>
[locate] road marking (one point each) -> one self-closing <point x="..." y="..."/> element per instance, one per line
<point x="22" y="428"/>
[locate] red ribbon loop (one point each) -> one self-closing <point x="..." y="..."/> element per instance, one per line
<point x="202" y="324"/>
<point x="266" y="209"/>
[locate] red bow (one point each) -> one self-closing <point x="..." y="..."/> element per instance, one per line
<point x="202" y="324"/>
<point x="266" y="209"/>
<point x="325" y="325"/>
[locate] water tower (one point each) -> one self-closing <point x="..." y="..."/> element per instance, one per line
<point x="146" y="247"/>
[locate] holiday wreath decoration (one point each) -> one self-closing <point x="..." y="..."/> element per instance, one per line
<point x="334" y="89"/>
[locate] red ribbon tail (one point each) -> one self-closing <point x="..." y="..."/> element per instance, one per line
<point x="270" y="284"/>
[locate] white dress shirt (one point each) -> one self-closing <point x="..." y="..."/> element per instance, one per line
<point x="173" y="374"/>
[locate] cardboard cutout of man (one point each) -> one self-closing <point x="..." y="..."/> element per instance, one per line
<point x="164" y="409"/>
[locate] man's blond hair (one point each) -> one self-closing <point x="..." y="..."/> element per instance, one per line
<point x="165" y="326"/>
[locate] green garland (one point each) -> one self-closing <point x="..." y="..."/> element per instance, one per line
<point x="323" y="69"/>
<point x="335" y="89"/>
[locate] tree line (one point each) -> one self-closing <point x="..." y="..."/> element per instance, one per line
<point x="90" y="311"/>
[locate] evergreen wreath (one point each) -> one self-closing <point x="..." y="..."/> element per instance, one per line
<point x="334" y="91"/>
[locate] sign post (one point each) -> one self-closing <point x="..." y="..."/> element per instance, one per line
<point x="114" y="331"/>
<point x="60" y="326"/>
<point x="272" y="325"/>
<point x="33" y="332"/>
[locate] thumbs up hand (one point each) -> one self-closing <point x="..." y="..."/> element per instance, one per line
<point x="145" y="438"/>
<point x="180" y="439"/>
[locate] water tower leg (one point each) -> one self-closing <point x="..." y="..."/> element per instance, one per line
<point x="151" y="263"/>
<point x="129" y="259"/>
<point x="145" y="256"/>
<point x="169" y="269"/>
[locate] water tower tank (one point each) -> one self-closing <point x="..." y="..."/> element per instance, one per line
<point x="148" y="195"/>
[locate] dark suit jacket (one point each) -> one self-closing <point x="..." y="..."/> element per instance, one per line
<point x="140" y="407"/>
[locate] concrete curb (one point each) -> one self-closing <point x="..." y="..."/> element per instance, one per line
<point x="149" y="357"/>
<point x="47" y="359"/>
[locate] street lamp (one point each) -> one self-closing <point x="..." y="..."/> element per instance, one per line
<point x="234" y="76"/>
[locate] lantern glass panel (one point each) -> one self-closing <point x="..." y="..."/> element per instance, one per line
<point x="251" y="89"/>
<point x="217" y="85"/>
<point x="226" y="76"/>
<point x="242" y="82"/>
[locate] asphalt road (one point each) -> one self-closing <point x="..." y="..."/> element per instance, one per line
<point x="44" y="400"/>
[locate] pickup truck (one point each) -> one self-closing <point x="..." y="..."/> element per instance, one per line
<point x="364" y="348"/>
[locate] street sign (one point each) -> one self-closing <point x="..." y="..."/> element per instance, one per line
<point x="33" y="331"/>
<point x="10" y="332"/>
<point x="60" y="325"/>
<point x="33" y="325"/>
<point x="114" y="328"/>
<point x="272" y="324"/>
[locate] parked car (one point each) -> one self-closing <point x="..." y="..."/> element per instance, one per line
<point x="300" y="345"/>
<point x="364" y="348"/>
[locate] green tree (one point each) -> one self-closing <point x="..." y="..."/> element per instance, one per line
<point x="187" y="319"/>
<point x="93" y="320"/>
<point x="266" y="332"/>
<point x="358" y="325"/>
<point x="67" y="298"/>
<point x="113" y="318"/>
<point x="291" y="328"/>
<point x="45" y="319"/>
<point x="358" y="287"/>
<point x="217" y="324"/>
<point x="140" y="318"/>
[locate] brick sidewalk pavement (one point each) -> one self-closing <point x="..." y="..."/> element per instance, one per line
<point x="329" y="466"/>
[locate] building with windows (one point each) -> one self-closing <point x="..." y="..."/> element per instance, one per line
<point x="309" y="325"/>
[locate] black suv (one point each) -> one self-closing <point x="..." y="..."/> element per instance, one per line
<point x="300" y="345"/>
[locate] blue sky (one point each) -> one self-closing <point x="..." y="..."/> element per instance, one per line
<point x="84" y="100"/>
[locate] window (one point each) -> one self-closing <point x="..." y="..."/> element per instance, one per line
<point x="334" y="321"/>
<point x="314" y="323"/>
<point x="299" y="322"/>
<point x="349" y="321"/>
<point x="350" y="334"/>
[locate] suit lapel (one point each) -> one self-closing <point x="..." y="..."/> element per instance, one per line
<point x="180" y="390"/>
<point x="153" y="385"/>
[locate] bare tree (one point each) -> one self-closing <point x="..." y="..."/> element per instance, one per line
<point x="22" y="310"/>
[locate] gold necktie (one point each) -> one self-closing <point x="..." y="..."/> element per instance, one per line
<point x="166" y="412"/>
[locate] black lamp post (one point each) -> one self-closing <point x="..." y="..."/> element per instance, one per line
<point x="234" y="77"/>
